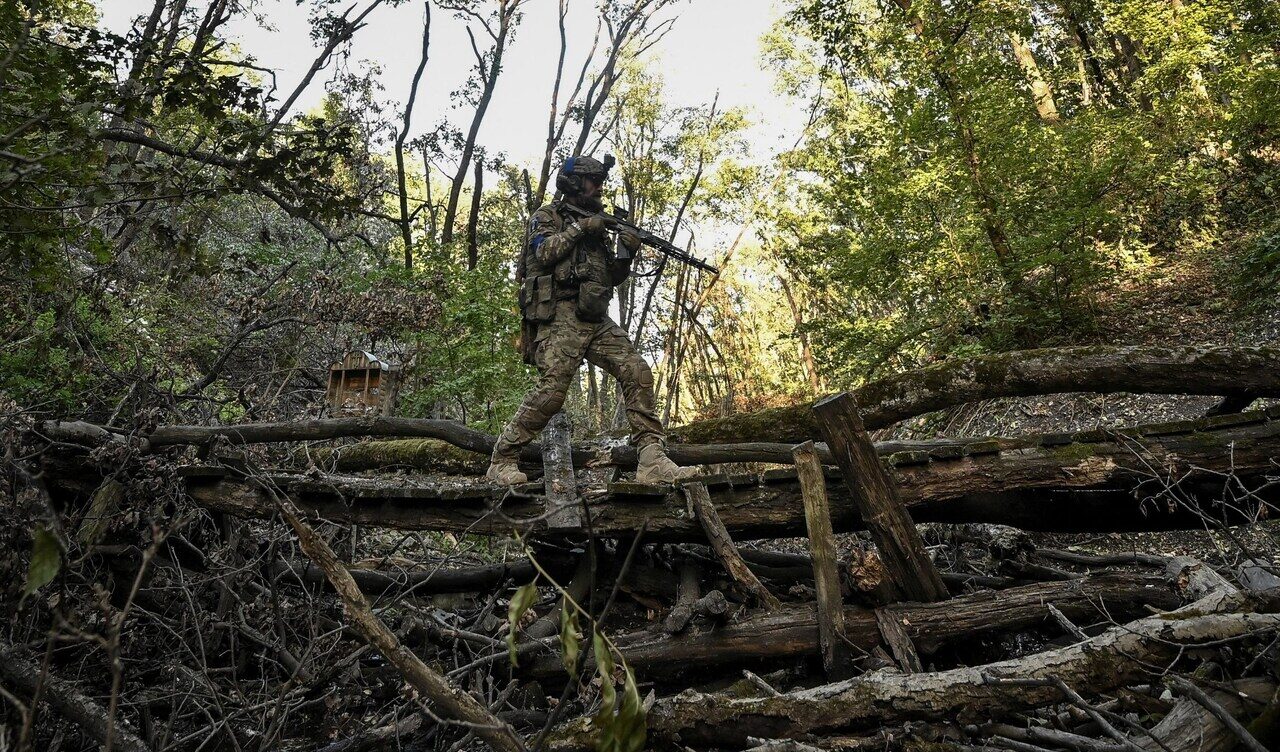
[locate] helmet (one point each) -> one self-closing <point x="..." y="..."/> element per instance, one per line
<point x="569" y="177"/>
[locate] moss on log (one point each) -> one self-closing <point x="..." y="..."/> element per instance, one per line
<point x="429" y="455"/>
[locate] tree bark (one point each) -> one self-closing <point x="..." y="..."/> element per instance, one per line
<point x="1041" y="93"/>
<point x="1121" y="655"/>
<point x="1189" y="727"/>
<point x="948" y="486"/>
<point x="822" y="547"/>
<point x="473" y="219"/>
<point x="723" y="546"/>
<point x="406" y="219"/>
<point x="792" y="632"/>
<point x="910" y="569"/>
<point x="560" y="487"/>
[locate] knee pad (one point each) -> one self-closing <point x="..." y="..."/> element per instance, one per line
<point x="548" y="403"/>
<point x="635" y="369"/>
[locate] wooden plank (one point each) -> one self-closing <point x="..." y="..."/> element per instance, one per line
<point x="822" y="545"/>
<point x="561" y="487"/>
<point x="878" y="501"/>
<point x="723" y="546"/>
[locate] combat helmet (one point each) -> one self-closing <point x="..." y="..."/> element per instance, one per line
<point x="569" y="177"/>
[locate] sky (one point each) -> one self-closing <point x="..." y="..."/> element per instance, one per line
<point x="714" y="46"/>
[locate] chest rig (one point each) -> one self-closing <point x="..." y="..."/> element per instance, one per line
<point x="581" y="275"/>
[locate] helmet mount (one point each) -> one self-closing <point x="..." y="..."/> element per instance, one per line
<point x="577" y="168"/>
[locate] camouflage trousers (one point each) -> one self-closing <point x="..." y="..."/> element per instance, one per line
<point x="561" y="346"/>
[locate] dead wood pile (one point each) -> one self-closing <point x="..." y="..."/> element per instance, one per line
<point x="202" y="598"/>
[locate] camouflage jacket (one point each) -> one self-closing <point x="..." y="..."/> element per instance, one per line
<point x="557" y="246"/>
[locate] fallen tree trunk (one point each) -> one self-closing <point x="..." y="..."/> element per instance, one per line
<point x="766" y="436"/>
<point x="1119" y="656"/>
<point x="25" y="676"/>
<point x="1006" y="486"/>
<point x="793" y="631"/>
<point x="453" y="702"/>
<point x="434" y="455"/>
<point x="1221" y="371"/>
<point x="1189" y="727"/>
<point x="434" y="445"/>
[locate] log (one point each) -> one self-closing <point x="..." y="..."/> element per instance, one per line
<point x="436" y="445"/>
<point x="1189" y="727"/>
<point x="1219" y="371"/>
<point x="437" y="456"/>
<point x="1216" y="709"/>
<point x="792" y="632"/>
<point x="1001" y="486"/>
<point x="1120" y="655"/>
<point x="25" y="675"/>
<point x="876" y="497"/>
<point x="723" y="546"/>
<point x="826" y="576"/>
<point x="712" y="606"/>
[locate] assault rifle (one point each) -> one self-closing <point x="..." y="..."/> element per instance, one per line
<point x="618" y="221"/>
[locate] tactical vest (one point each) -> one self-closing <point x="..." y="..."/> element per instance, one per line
<point x="582" y="275"/>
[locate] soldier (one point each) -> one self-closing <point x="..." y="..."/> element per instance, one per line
<point x="568" y="271"/>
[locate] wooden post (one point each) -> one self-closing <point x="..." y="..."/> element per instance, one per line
<point x="722" y="544"/>
<point x="826" y="576"/>
<point x="876" y="496"/>
<point x="558" y="479"/>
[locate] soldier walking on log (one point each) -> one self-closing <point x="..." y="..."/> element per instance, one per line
<point x="568" y="270"/>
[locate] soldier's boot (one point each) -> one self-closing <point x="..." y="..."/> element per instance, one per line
<point x="656" y="467"/>
<point x="504" y="471"/>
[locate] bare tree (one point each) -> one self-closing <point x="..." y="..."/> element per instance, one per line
<point x="558" y="118"/>
<point x="499" y="28"/>
<point x="406" y="219"/>
<point x="632" y="31"/>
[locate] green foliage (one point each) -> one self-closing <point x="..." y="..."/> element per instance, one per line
<point x="570" y="636"/>
<point x="46" y="560"/>
<point x="521" y="602"/>
<point x="1259" y="277"/>
<point x="934" y="210"/>
<point x="619" y="725"/>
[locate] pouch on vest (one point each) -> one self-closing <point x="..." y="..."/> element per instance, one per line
<point x="537" y="298"/>
<point x="593" y="301"/>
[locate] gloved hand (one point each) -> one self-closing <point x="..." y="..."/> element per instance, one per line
<point x="596" y="224"/>
<point x="630" y="241"/>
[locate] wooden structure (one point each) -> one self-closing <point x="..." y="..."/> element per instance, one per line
<point x="362" y="384"/>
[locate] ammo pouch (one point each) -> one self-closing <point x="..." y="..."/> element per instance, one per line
<point x="593" y="301"/>
<point x="537" y="299"/>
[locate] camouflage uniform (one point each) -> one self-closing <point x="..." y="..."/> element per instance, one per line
<point x="569" y="276"/>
